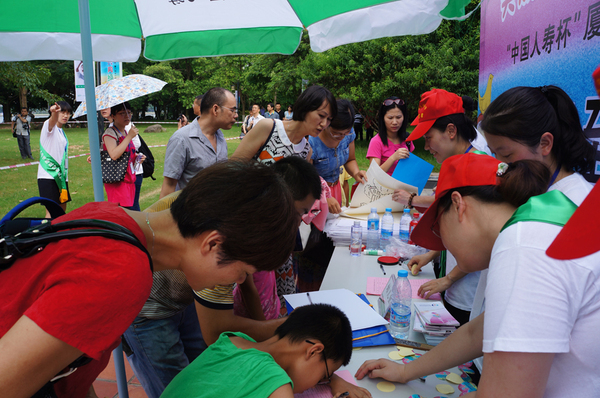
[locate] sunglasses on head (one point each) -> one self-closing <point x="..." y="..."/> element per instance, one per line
<point x="396" y="101"/>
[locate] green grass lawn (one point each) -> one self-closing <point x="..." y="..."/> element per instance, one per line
<point x="21" y="182"/>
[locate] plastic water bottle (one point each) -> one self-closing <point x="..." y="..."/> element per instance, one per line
<point x="405" y="226"/>
<point x="400" y="307"/>
<point x="356" y="236"/>
<point x="387" y="227"/>
<point x="413" y="224"/>
<point x="373" y="230"/>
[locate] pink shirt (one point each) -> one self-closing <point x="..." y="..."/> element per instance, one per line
<point x="382" y="152"/>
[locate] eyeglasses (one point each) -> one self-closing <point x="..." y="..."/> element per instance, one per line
<point x="234" y="110"/>
<point x="327" y="375"/>
<point x="396" y="101"/>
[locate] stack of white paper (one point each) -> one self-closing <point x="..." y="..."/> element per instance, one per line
<point x="338" y="230"/>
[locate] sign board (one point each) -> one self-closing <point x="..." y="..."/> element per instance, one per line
<point x="79" y="83"/>
<point x="110" y="71"/>
<point x="543" y="42"/>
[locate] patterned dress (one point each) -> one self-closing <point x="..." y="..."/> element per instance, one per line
<point x="277" y="147"/>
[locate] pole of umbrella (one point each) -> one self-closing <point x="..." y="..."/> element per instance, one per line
<point x="90" y="98"/>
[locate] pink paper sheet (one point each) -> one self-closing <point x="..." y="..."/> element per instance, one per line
<point x="323" y="390"/>
<point x="375" y="286"/>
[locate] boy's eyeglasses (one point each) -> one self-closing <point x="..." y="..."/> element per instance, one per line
<point x="327" y="375"/>
<point x="396" y="101"/>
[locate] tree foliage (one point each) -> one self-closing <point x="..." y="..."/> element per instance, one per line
<point x="366" y="73"/>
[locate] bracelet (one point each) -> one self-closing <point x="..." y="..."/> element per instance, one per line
<point x="409" y="204"/>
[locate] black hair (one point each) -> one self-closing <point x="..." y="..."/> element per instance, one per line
<point x="322" y="322"/>
<point x="214" y="96"/>
<point x="119" y="107"/>
<point x="291" y="106"/>
<point x="383" y="109"/>
<point x="465" y="128"/>
<point x="311" y="99"/>
<point x="301" y="177"/>
<point x="345" y="115"/>
<point x="278" y="103"/>
<point x="522" y="180"/>
<point x="24" y="107"/>
<point x="248" y="204"/>
<point x="65" y="106"/>
<point x="270" y="104"/>
<point x="199" y="97"/>
<point x="524" y="114"/>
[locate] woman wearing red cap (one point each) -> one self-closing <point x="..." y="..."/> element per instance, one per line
<point x="448" y="131"/>
<point x="389" y="145"/>
<point x="541" y="314"/>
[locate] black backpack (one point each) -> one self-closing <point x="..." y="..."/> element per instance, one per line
<point x="23" y="237"/>
<point x="148" y="165"/>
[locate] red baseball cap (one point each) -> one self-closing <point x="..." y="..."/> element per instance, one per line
<point x="580" y="235"/>
<point x="433" y="105"/>
<point x="457" y="171"/>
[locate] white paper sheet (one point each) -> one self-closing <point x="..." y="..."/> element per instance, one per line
<point x="360" y="314"/>
<point x="377" y="192"/>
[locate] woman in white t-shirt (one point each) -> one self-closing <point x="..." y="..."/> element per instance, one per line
<point x="541" y="314"/>
<point x="52" y="172"/>
<point x="541" y="123"/>
<point x="442" y="120"/>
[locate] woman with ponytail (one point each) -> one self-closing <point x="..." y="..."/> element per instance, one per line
<point x="541" y="123"/>
<point x="541" y="314"/>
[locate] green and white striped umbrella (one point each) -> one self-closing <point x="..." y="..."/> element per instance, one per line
<point x="112" y="31"/>
<point x="38" y="29"/>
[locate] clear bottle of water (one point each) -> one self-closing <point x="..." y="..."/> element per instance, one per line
<point x="405" y="226"/>
<point x="373" y="230"/>
<point x="400" y="307"/>
<point x="387" y="227"/>
<point x="356" y="236"/>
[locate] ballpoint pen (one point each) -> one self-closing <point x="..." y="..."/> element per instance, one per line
<point x="309" y="299"/>
<point x="382" y="269"/>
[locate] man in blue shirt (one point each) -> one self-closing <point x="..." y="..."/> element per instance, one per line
<point x="270" y="113"/>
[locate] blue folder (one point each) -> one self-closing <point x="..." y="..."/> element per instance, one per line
<point x="413" y="171"/>
<point x="380" y="339"/>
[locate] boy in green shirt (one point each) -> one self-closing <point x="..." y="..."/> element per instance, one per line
<point x="307" y="348"/>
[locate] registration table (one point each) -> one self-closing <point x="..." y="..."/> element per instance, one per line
<point x="346" y="271"/>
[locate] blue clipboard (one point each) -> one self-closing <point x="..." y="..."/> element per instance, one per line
<point x="413" y="171"/>
<point x="379" y="339"/>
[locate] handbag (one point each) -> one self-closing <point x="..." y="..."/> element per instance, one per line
<point x="148" y="165"/>
<point x="113" y="170"/>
